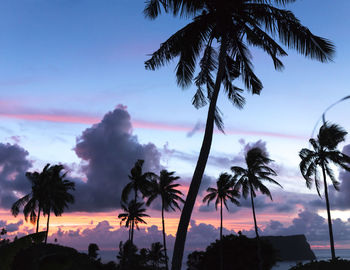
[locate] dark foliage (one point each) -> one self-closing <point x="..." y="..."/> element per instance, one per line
<point x="239" y="253"/>
<point x="336" y="264"/>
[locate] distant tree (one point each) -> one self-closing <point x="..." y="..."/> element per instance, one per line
<point x="57" y="196"/>
<point x="132" y="216"/>
<point x="139" y="181"/>
<point x="93" y="251"/>
<point x="324" y="154"/>
<point x="164" y="186"/>
<point x="224" y="191"/>
<point x="249" y="180"/>
<point x="156" y="255"/>
<point x="239" y="254"/>
<point x="32" y="203"/>
<point x="128" y="257"/>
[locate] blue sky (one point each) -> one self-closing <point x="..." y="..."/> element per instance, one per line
<point x="84" y="57"/>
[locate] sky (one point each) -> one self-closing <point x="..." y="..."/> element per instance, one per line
<point x="74" y="91"/>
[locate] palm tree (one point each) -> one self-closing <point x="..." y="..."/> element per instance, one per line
<point x="57" y="196"/>
<point x="138" y="181"/>
<point x="249" y="180"/>
<point x="164" y="187"/>
<point x="232" y="26"/>
<point x="224" y="191"/>
<point x="132" y="216"/>
<point x="32" y="202"/>
<point x="156" y="255"/>
<point x="323" y="154"/>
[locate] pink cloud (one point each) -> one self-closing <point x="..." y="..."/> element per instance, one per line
<point x="138" y="124"/>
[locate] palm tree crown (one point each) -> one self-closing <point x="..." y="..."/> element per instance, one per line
<point x="132" y="216"/>
<point x="249" y="180"/>
<point x="57" y="196"/>
<point x="139" y="181"/>
<point x="224" y="191"/>
<point x="324" y="154"/>
<point x="32" y="202"/>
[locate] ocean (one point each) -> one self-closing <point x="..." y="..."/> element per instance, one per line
<point x="321" y="254"/>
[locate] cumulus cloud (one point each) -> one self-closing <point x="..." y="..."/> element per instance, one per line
<point x="11" y="227"/>
<point x="109" y="150"/>
<point x="13" y="165"/>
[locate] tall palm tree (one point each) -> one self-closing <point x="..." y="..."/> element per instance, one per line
<point x="324" y="154"/>
<point x="249" y="179"/>
<point x="32" y="202"/>
<point x="231" y="26"/>
<point x="132" y="216"/>
<point x="139" y="181"/>
<point x="57" y="196"/>
<point x="224" y="191"/>
<point x="163" y="186"/>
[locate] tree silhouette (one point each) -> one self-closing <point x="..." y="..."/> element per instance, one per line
<point x="138" y="181"/>
<point x="323" y="154"/>
<point x="233" y="26"/>
<point x="132" y="216"/>
<point x="57" y="196"/>
<point x="156" y="255"/>
<point x="93" y="251"/>
<point x="164" y="187"/>
<point x="249" y="180"/>
<point x="224" y="191"/>
<point x="32" y="202"/>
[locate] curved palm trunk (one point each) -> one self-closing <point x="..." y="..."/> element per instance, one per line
<point x="164" y="238"/>
<point x="47" y="226"/>
<point x="328" y="213"/>
<point x="37" y="221"/>
<point x="200" y="167"/>
<point x="221" y="243"/>
<point x="260" y="261"/>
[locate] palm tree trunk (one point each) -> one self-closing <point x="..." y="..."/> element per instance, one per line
<point x="221" y="243"/>
<point x="254" y="217"/>
<point x="328" y="213"/>
<point x="132" y="233"/>
<point x="260" y="261"/>
<point x="47" y="226"/>
<point x="37" y="221"/>
<point x="164" y="237"/>
<point x="200" y="167"/>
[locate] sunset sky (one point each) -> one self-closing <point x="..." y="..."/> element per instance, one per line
<point x="74" y="91"/>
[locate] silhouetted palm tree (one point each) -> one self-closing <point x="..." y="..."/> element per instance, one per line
<point x="32" y="202"/>
<point x="139" y="181"/>
<point x="156" y="255"/>
<point x="233" y="26"/>
<point x="57" y="196"/>
<point x="224" y="191"/>
<point x="324" y="154"/>
<point x="163" y="186"/>
<point x="249" y="180"/>
<point x="132" y="216"/>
